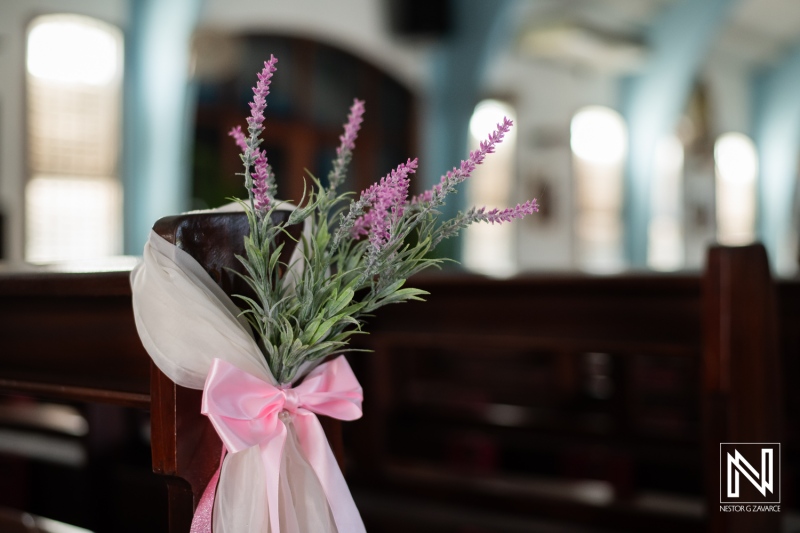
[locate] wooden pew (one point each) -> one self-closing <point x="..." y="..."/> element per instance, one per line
<point x="69" y="337"/>
<point x="742" y="387"/>
<point x="470" y="394"/>
<point x="504" y="397"/>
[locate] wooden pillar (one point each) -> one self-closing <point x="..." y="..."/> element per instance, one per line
<point x="741" y="372"/>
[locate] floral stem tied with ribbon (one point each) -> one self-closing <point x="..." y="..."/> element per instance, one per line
<point x="260" y="361"/>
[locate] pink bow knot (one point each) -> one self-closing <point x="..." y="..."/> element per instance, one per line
<point x="291" y="400"/>
<point x="245" y="411"/>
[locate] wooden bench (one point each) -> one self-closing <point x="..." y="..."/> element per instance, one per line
<point x="470" y="394"/>
<point x="69" y="338"/>
<point x="595" y="401"/>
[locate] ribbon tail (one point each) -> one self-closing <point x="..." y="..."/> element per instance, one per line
<point x="201" y="521"/>
<point x="271" y="453"/>
<point x="319" y="455"/>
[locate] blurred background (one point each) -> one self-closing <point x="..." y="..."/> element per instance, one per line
<point x="646" y="128"/>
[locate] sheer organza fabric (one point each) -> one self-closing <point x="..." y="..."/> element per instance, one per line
<point x="185" y="320"/>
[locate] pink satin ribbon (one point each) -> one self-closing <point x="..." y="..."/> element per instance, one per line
<point x="245" y="412"/>
<point x="201" y="521"/>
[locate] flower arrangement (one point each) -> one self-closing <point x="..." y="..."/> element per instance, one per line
<point x="358" y="253"/>
<point x="262" y="393"/>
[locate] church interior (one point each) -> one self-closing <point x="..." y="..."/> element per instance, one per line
<point x="596" y="366"/>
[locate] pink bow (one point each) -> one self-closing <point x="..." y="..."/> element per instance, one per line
<point x="246" y="412"/>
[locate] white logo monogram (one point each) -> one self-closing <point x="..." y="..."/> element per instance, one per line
<point x="738" y="464"/>
<point x="739" y="468"/>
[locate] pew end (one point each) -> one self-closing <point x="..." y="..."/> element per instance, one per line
<point x="742" y="388"/>
<point x="490" y="398"/>
<point x="185" y="446"/>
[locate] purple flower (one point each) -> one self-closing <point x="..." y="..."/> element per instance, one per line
<point x="354" y="119"/>
<point x="455" y="176"/>
<point x="453" y="226"/>
<point x="495" y="216"/>
<point x="344" y="152"/>
<point x="238" y="137"/>
<point x="260" y="92"/>
<point x="387" y="200"/>
<point x="261" y="182"/>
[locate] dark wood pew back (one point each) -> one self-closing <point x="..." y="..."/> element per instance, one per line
<point x="491" y="386"/>
<point x="742" y="389"/>
<point x="487" y="386"/>
<point x="70" y="335"/>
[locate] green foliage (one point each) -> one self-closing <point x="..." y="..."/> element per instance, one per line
<point x="305" y="312"/>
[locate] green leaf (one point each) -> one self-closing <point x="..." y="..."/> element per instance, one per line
<point x="404" y="295"/>
<point x="255" y="306"/>
<point x="390" y="289"/>
<point x="273" y="259"/>
<point x="324" y="328"/>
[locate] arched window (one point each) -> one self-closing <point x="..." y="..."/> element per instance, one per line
<point x="736" y="163"/>
<point x="490" y="249"/>
<point x="599" y="142"/>
<point x="73" y="198"/>
<point x="307" y="105"/>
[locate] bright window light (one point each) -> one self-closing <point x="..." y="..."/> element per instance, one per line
<point x="73" y="197"/>
<point x="598" y="138"/>
<point x="735" y="157"/>
<point x="487" y="115"/>
<point x="736" y="162"/>
<point x="72" y="219"/>
<point x="490" y="249"/>
<point x="73" y="49"/>
<point x="598" y="135"/>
